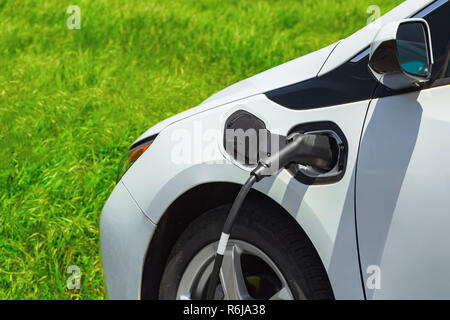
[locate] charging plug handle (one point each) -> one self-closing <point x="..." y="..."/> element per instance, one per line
<point x="306" y="149"/>
<point x="316" y="150"/>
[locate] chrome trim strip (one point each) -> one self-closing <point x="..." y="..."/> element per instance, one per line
<point x="430" y="8"/>
<point x="361" y="55"/>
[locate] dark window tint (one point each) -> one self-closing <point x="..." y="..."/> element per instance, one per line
<point x="439" y="21"/>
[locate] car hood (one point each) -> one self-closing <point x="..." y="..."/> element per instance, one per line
<point x="297" y="70"/>
<point x="300" y="69"/>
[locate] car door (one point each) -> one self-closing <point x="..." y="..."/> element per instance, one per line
<point x="403" y="184"/>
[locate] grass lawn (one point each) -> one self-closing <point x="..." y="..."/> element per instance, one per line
<point x="72" y="101"/>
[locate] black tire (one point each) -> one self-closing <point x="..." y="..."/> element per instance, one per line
<point x="265" y="227"/>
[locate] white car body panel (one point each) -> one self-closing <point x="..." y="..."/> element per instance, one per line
<point x="300" y="69"/>
<point x="403" y="201"/>
<point x="329" y="224"/>
<point x="297" y="70"/>
<point x="124" y="229"/>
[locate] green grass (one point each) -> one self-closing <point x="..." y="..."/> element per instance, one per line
<point x="71" y="102"/>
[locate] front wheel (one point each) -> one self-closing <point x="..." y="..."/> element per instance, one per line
<point x="267" y="257"/>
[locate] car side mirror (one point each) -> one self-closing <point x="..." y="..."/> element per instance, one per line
<point x="401" y="54"/>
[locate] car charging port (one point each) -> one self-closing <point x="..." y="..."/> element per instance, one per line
<point x="316" y="150"/>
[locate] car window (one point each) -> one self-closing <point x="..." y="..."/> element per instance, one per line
<point x="447" y="74"/>
<point x="439" y="21"/>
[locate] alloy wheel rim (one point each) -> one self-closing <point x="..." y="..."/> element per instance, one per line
<point x="247" y="273"/>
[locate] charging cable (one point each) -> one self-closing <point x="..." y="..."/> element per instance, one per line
<point x="306" y="149"/>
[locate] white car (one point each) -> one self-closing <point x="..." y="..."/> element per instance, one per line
<point x="375" y="225"/>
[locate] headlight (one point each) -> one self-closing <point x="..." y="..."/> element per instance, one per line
<point x="136" y="150"/>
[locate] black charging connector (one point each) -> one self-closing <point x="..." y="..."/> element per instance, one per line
<point x="314" y="150"/>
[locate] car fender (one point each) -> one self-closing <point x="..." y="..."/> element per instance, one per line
<point x="326" y="213"/>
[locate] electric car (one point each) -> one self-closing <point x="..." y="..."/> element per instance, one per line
<point x="375" y="225"/>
